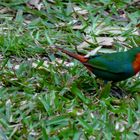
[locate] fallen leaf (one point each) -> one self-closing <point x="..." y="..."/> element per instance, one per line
<point x="35" y="3"/>
<point x="102" y="41"/>
<point x="93" y="52"/>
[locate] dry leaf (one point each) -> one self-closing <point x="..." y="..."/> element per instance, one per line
<point x="52" y="1"/>
<point x="109" y="29"/>
<point x="93" y="52"/>
<point x="5" y="10"/>
<point x="79" y="10"/>
<point x="102" y="41"/>
<point x="35" y="3"/>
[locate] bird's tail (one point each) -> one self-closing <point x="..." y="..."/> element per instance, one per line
<point x="81" y="58"/>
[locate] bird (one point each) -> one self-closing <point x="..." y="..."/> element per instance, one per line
<point x="115" y="67"/>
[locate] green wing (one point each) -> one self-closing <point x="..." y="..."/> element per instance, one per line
<point x="114" y="63"/>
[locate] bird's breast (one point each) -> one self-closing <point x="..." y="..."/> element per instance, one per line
<point x="136" y="63"/>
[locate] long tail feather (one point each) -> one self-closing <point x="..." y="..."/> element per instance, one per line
<point x="81" y="58"/>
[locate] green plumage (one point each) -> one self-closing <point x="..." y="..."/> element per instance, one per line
<point x="115" y="66"/>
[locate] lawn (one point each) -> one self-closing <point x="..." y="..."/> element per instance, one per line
<point x="44" y="94"/>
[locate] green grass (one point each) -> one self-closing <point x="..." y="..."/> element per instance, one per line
<point x="53" y="101"/>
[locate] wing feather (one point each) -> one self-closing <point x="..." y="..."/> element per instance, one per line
<point x="114" y="63"/>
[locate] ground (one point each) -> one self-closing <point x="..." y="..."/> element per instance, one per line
<point x="44" y="94"/>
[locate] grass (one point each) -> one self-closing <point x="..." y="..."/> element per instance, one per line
<point x="42" y="98"/>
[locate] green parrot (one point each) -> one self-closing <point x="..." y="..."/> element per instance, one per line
<point x="113" y="67"/>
